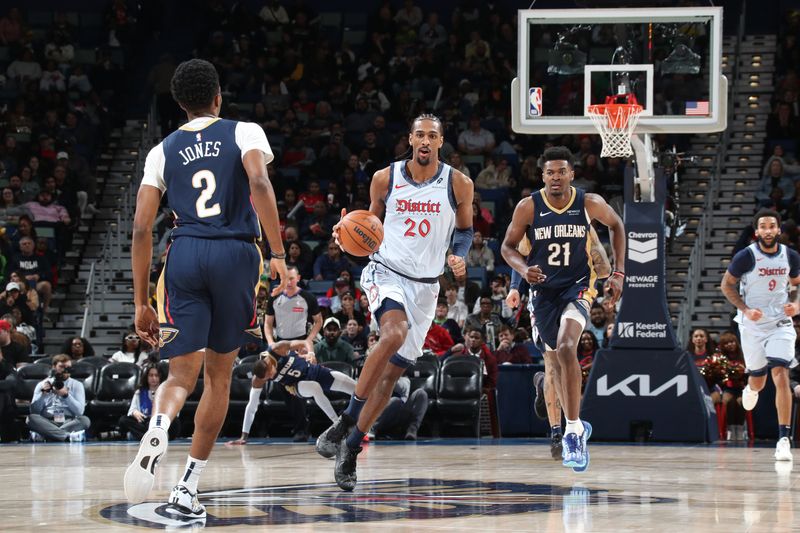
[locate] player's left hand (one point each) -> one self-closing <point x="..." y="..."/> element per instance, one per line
<point x="146" y="323"/>
<point x="277" y="269"/>
<point x="335" y="229"/>
<point x="613" y="288"/>
<point x="512" y="300"/>
<point x="458" y="265"/>
<point x="791" y="309"/>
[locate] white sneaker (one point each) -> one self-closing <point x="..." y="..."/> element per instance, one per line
<point x="141" y="474"/>
<point x="749" y="398"/>
<point x="77" y="436"/>
<point x="184" y="504"/>
<point x="783" y="451"/>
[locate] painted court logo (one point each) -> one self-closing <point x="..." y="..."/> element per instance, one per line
<point x="383" y="500"/>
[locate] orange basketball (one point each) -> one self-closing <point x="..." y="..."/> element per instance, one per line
<point x="360" y="233"/>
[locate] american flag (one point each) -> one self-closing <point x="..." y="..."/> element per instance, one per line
<point x="697" y="108"/>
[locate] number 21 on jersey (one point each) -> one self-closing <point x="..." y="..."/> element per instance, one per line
<point x="559" y="254"/>
<point x="205" y="180"/>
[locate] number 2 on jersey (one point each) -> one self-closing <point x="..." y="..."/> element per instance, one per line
<point x="423" y="228"/>
<point x="557" y="250"/>
<point x="204" y="179"/>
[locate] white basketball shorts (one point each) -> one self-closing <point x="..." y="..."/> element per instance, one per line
<point x="772" y="346"/>
<point x="418" y="299"/>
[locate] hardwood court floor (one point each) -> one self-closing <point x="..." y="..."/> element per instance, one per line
<point x="437" y="486"/>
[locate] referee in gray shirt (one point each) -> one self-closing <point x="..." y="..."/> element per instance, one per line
<point x="288" y="317"/>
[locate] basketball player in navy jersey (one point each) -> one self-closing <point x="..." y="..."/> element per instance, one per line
<point x="424" y="203"/>
<point x="215" y="173"/>
<point x="546" y="403"/>
<point x="559" y="268"/>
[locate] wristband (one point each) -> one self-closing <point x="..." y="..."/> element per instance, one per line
<point x="273" y="255"/>
<point x="618" y="273"/>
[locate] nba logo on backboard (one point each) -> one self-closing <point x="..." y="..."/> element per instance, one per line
<point x="535" y="101"/>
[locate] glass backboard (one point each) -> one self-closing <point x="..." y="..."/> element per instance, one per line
<point x="668" y="58"/>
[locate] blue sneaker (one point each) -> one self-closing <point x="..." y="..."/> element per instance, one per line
<point x="576" y="452"/>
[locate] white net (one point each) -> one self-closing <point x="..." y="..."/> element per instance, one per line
<point x="615" y="123"/>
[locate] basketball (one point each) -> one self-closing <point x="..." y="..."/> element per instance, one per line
<point x="360" y="233"/>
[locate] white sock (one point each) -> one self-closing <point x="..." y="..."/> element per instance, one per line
<point x="194" y="467"/>
<point x="160" y="420"/>
<point x="574" y="426"/>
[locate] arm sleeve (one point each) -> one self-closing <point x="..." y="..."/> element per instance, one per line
<point x="250" y="136"/>
<point x="251" y="409"/>
<point x="154" y="168"/>
<point x="742" y="263"/>
<point x="794" y="263"/>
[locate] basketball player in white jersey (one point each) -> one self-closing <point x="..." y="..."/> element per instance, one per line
<point x="424" y="203"/>
<point x="766" y="304"/>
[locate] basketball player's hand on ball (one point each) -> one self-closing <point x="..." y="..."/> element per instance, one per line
<point x="534" y="275"/>
<point x="146" y="323"/>
<point x="336" y="227"/>
<point x="753" y="314"/>
<point x="458" y="266"/>
<point x="791" y="309"/>
<point x="512" y="300"/>
<point x="277" y="269"/>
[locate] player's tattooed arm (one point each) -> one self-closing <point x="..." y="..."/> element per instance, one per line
<point x="731" y="292"/>
<point x="602" y="266"/>
<point x="598" y="209"/>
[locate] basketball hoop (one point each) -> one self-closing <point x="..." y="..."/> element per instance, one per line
<point x="615" y="122"/>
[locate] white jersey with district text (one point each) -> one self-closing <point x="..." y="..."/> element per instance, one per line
<point x="764" y="282"/>
<point x="419" y="223"/>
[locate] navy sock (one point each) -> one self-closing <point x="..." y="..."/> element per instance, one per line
<point x="354" y="409"/>
<point x="555" y="430"/>
<point x="354" y="438"/>
<point x="785" y="431"/>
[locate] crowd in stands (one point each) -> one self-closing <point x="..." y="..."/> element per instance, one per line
<point x="56" y="108"/>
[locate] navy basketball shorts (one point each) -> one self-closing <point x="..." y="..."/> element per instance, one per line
<point x="206" y="294"/>
<point x="547" y="307"/>
<point x="321" y="375"/>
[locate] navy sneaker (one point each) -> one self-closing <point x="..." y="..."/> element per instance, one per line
<point x="576" y="451"/>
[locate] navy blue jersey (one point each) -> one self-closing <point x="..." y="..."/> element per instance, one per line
<point x="290" y="369"/>
<point x="560" y="243"/>
<point x="207" y="186"/>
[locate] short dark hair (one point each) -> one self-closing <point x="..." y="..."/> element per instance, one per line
<point x="763" y="213"/>
<point x="556" y="153"/>
<point x="471" y="329"/>
<point x="195" y="84"/>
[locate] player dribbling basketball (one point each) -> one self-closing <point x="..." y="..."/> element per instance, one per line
<point x="424" y="203"/>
